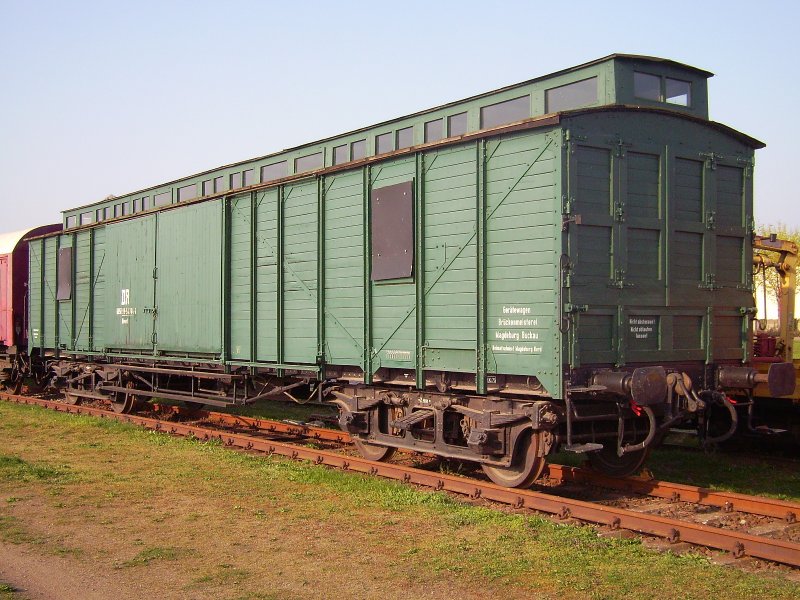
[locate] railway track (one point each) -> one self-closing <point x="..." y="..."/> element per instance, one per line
<point x="715" y="528"/>
<point x="555" y="473"/>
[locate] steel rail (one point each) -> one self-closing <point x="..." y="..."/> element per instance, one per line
<point x="738" y="543"/>
<point x="260" y="424"/>
<point x="676" y="492"/>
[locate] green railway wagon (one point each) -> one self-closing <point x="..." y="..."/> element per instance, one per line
<point x="564" y="263"/>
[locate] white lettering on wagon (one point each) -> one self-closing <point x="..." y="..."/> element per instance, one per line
<point x="514" y="331"/>
<point x="516" y="310"/>
<point x="125" y="310"/>
<point x="501" y="322"/>
<point x="399" y="355"/>
<point x="516" y="335"/>
<point x="642" y="327"/>
<point x="516" y="349"/>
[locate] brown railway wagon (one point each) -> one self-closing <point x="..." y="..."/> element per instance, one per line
<point x="14" y="300"/>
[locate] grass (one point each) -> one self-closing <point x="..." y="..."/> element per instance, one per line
<point x="7" y="592"/>
<point x="13" y="531"/>
<point x="717" y="471"/>
<point x="278" y="410"/>
<point x="272" y="409"/>
<point x="225" y="575"/>
<point x="732" y="473"/>
<point x="216" y="523"/>
<point x="145" y="557"/>
<point x="721" y="472"/>
<point x="14" y="468"/>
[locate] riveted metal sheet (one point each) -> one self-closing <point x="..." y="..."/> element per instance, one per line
<point x="659" y="262"/>
<point x="393" y="231"/>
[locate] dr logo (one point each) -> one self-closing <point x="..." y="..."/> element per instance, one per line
<point x="125" y="299"/>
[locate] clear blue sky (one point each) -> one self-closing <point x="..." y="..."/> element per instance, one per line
<point x="100" y="98"/>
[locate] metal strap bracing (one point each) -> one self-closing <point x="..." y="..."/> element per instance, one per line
<point x="467" y="242"/>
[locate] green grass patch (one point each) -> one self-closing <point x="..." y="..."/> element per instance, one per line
<point x="145" y="557"/>
<point x="279" y="410"/>
<point x="7" y="592"/>
<point x="223" y="575"/>
<point x="13" y="531"/>
<point x="728" y="472"/>
<point x="14" y="468"/>
<point x="719" y="471"/>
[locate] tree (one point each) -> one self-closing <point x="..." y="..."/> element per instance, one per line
<point x="773" y="281"/>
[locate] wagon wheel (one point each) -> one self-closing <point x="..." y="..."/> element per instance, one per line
<point x="607" y="462"/>
<point x="72" y="395"/>
<point x="373" y="452"/>
<point x="14" y="385"/>
<point x="525" y="468"/>
<point x="125" y="402"/>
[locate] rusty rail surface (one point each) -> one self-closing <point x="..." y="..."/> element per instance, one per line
<point x="265" y="425"/>
<point x="676" y="492"/>
<point x="739" y="544"/>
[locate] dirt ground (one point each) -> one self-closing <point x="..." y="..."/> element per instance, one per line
<point x="49" y="577"/>
<point x="72" y="558"/>
<point x="177" y="523"/>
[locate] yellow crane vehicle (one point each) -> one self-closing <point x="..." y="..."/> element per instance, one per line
<point x="774" y="255"/>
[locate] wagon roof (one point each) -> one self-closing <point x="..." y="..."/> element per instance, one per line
<point x="538" y="122"/>
<point x="9" y="241"/>
<point x="610" y="57"/>
<point x="734" y="133"/>
<point x="663" y="61"/>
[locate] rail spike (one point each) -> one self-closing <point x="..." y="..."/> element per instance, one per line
<point x="738" y="550"/>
